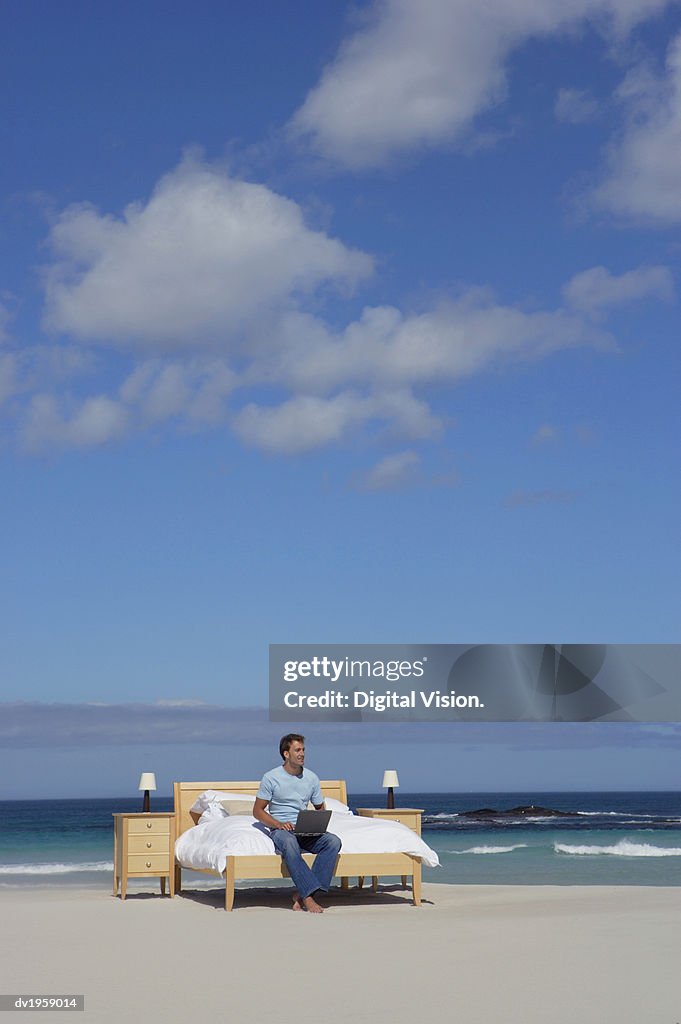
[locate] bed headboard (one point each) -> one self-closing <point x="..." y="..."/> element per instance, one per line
<point x="185" y="794"/>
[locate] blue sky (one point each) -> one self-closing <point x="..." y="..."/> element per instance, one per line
<point x="333" y="322"/>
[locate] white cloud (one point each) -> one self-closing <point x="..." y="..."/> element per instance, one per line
<point x="31" y="724"/>
<point x="369" y="371"/>
<point x="93" y="422"/>
<point x="278" y="373"/>
<point x="301" y="423"/>
<point x="194" y="389"/>
<point x="597" y="288"/>
<point x="206" y="256"/>
<point x="544" y="434"/>
<point x="189" y="702"/>
<point x="643" y="180"/>
<point x="373" y="374"/>
<point x="43" y="366"/>
<point x="575" y="106"/>
<point x="368" y="375"/>
<point x="388" y="348"/>
<point x="40" y="367"/>
<point x="392" y="472"/>
<point x="415" y="75"/>
<point x="306" y="422"/>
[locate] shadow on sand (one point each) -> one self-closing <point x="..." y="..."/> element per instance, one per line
<point x="279" y="897"/>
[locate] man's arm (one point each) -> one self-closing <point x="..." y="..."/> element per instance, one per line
<point x="317" y="797"/>
<point x="260" y="812"/>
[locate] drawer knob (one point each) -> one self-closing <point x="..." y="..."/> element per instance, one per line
<point x="148" y="824"/>
<point x="148" y="846"/>
<point x="148" y="863"/>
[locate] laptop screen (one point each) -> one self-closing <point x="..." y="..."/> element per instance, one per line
<point x="312" y="823"/>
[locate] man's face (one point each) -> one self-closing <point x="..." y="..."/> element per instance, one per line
<point x="295" y="755"/>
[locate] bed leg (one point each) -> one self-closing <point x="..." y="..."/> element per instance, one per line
<point x="229" y="883"/>
<point x="416" y="884"/>
<point x="178" y="877"/>
<point x="345" y="883"/>
<point x="360" y="881"/>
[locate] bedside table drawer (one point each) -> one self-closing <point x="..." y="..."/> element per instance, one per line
<point x="153" y="843"/>
<point x="139" y="826"/>
<point x="153" y="863"/>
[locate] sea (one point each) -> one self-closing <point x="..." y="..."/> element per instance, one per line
<point x="600" y="838"/>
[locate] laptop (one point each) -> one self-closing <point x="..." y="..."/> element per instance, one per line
<point x="312" y="823"/>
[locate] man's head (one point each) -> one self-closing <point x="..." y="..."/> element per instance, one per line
<point x="292" y="749"/>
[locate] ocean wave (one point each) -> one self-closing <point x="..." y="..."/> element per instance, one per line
<point x="606" y="814"/>
<point x="491" y="849"/>
<point x="629" y="816"/>
<point x="625" y="848"/>
<point x="535" y="818"/>
<point x="55" y="869"/>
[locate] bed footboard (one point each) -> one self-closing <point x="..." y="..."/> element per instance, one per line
<point x="401" y="864"/>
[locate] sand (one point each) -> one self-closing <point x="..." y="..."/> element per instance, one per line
<point x="506" y="954"/>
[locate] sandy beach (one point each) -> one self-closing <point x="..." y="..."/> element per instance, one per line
<point x="527" y="954"/>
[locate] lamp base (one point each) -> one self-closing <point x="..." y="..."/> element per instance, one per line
<point x="146" y="803"/>
<point x="390" y="803"/>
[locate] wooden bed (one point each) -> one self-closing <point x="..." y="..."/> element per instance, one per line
<point x="272" y="866"/>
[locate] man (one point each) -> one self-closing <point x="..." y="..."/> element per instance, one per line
<point x="287" y="790"/>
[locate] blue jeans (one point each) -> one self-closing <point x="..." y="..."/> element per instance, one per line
<point x="307" y="880"/>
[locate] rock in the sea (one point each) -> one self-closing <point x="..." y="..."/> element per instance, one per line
<point x="525" y="811"/>
<point x="482" y="812"/>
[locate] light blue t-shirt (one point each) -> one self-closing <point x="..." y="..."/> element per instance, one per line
<point x="288" y="794"/>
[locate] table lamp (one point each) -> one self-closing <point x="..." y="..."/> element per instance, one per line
<point x="389" y="780"/>
<point x="147" y="782"/>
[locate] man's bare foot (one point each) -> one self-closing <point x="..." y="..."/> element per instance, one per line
<point x="312" y="906"/>
<point x="297" y="903"/>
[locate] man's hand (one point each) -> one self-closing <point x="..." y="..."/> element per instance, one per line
<point x="260" y="813"/>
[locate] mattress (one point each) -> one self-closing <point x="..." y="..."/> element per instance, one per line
<point x="206" y="846"/>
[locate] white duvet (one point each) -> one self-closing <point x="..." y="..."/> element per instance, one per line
<point x="206" y="846"/>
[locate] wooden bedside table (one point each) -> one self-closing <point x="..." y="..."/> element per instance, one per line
<point x="409" y="816"/>
<point x="144" y="847"/>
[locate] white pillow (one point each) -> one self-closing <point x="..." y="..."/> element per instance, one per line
<point x="212" y="813"/>
<point x="334" y="805"/>
<point x="238" y="808"/>
<point x="212" y="796"/>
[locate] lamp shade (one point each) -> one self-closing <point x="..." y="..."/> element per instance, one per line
<point x="147" y="781"/>
<point x="390" y="779"/>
